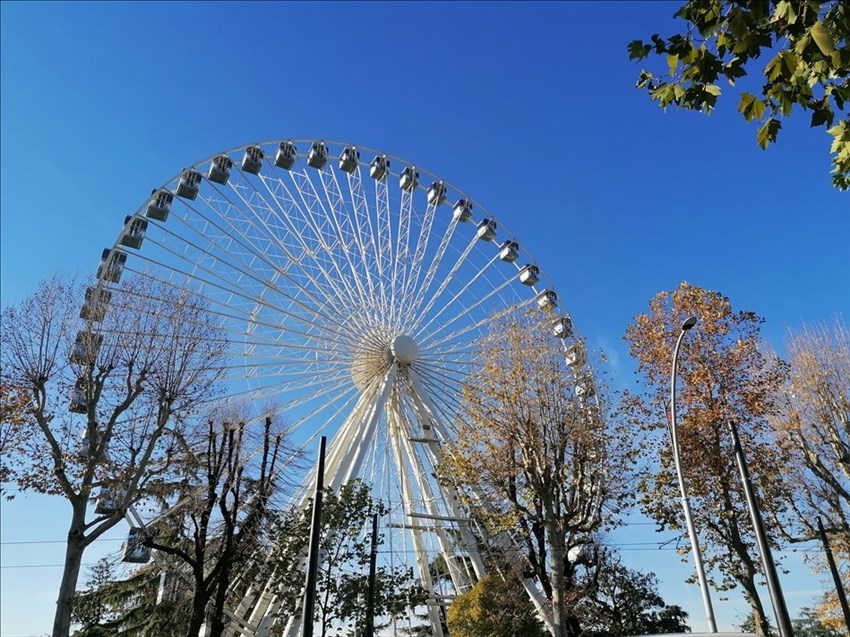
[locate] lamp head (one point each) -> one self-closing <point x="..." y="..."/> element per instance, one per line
<point x="689" y="323"/>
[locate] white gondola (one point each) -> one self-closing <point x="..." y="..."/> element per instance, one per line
<point x="285" y="156"/>
<point x="409" y="179"/>
<point x="160" y="205"/>
<point x="86" y="346"/>
<point x="436" y="193"/>
<point x="190" y="183"/>
<point x="220" y="168"/>
<point x="547" y="300"/>
<point x="574" y="355"/>
<point x="509" y="251"/>
<point x="562" y="327"/>
<point x="529" y="274"/>
<point x="379" y="167"/>
<point x="78" y="403"/>
<point x="95" y="304"/>
<point x="134" y="232"/>
<point x="108" y="501"/>
<point x="579" y="552"/>
<point x="318" y="155"/>
<point x="135" y="552"/>
<point x="462" y="210"/>
<point x="349" y="159"/>
<point x="584" y="387"/>
<point x="252" y="161"/>
<point x="486" y="229"/>
<point x="168" y="590"/>
<point x="111" y="265"/>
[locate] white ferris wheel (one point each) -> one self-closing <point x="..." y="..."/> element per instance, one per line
<point x="354" y="289"/>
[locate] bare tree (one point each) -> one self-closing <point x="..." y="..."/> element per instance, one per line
<point x="107" y="391"/>
<point x="812" y="427"/>
<point x="537" y="459"/>
<point x="223" y="509"/>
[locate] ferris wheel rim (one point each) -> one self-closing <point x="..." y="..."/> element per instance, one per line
<point x="432" y="377"/>
<point x="139" y="212"/>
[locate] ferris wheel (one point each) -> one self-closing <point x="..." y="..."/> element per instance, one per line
<point x="354" y="290"/>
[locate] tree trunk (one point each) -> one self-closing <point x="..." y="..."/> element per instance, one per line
<point x="74" y="548"/>
<point x="217" y="622"/>
<point x="199" y="606"/>
<point x="559" y="556"/>
<point x="759" y="618"/>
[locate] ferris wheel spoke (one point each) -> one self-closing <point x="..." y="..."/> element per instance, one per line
<point x="400" y="262"/>
<point x="304" y="383"/>
<point x="288" y="373"/>
<point x="280" y="233"/>
<point x="385" y="241"/>
<point x="316" y="318"/>
<point x="447" y="374"/>
<point x="443" y="285"/>
<point x="478" y="325"/>
<point x="422" y="292"/>
<point x="327" y="392"/>
<point x="281" y="217"/>
<point x="347" y="236"/>
<point x="327" y="335"/>
<point x="445" y="402"/>
<point x="411" y="283"/>
<point x="247" y="338"/>
<point x="336" y="236"/>
<point x="308" y="198"/>
<point x="260" y="248"/>
<point x="365" y="228"/>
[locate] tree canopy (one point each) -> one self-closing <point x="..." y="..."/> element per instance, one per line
<point x="725" y="377"/>
<point x="538" y="461"/>
<point x="808" y="68"/>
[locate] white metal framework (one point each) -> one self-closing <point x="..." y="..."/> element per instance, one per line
<point x="353" y="288"/>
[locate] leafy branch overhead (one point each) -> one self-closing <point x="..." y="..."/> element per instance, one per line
<point x="809" y="65"/>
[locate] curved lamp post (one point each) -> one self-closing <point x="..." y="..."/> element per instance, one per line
<point x="703" y="584"/>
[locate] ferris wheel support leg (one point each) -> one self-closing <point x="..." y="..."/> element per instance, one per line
<point x="424" y="404"/>
<point x="396" y="433"/>
<point x="357" y="433"/>
<point x="352" y="463"/>
<point x="460" y="578"/>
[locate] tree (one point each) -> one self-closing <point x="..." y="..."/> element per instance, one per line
<point x="215" y="522"/>
<point x="136" y="604"/>
<point x="724" y="378"/>
<point x="494" y="607"/>
<point x="136" y="362"/>
<point x="812" y="427"/>
<point x="809" y="44"/>
<point x="13" y="405"/>
<point x="625" y="602"/>
<point x="749" y="625"/>
<point x="345" y="550"/>
<point x="537" y="460"/>
<point x="808" y="624"/>
<point x="222" y="509"/>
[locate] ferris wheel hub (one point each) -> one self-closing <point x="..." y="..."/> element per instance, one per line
<point x="404" y="349"/>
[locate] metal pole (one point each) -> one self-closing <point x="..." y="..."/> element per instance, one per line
<point x="313" y="551"/>
<point x="370" y="595"/>
<point x="783" y="620"/>
<point x="839" y="587"/>
<point x="686" y="507"/>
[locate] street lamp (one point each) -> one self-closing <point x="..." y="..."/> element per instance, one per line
<point x="692" y="536"/>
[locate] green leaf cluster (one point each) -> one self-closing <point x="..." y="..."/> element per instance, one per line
<point x="809" y="67"/>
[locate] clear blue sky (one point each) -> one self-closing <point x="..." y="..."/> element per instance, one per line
<point x="531" y="108"/>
